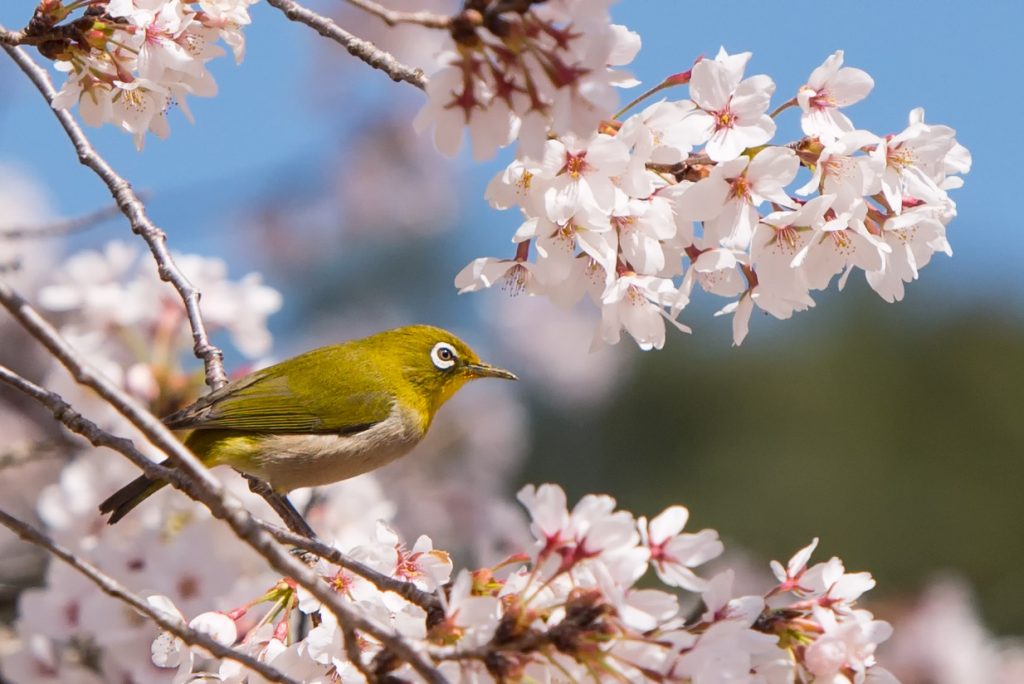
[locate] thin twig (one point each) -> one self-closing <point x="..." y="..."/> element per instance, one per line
<point x="197" y="482"/>
<point x="61" y="226"/>
<point x="113" y="588"/>
<point x="393" y="17"/>
<point x="135" y="211"/>
<point x="357" y="47"/>
<point x="407" y="590"/>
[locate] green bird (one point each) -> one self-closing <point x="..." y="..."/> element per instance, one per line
<point x="326" y="415"/>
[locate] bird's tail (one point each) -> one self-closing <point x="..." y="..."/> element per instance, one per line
<point x="131" y="495"/>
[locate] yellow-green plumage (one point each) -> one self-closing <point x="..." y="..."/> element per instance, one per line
<point x="326" y="415"/>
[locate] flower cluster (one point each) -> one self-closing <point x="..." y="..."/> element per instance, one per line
<point x="522" y="74"/>
<point x="69" y="631"/>
<point x="692" y="193"/>
<point x="133" y="59"/>
<point x="570" y="609"/>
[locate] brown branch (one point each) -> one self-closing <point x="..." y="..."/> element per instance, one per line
<point x="407" y="590"/>
<point x="113" y="588"/>
<point x="79" y="424"/>
<point x="354" y="653"/>
<point x="357" y="47"/>
<point x="393" y="17"/>
<point x="135" y="211"/>
<point x="61" y="226"/>
<point x="200" y="485"/>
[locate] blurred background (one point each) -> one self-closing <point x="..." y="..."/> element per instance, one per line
<point x="893" y="432"/>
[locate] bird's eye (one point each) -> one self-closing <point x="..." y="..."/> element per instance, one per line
<point x="443" y="355"/>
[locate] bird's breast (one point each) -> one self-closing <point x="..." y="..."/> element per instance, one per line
<point x="288" y="462"/>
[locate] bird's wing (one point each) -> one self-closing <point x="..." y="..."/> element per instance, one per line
<point x="269" y="401"/>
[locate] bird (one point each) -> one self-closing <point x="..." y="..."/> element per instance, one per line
<point x="323" y="416"/>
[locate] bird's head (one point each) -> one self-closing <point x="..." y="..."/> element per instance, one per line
<point x="436" y="363"/>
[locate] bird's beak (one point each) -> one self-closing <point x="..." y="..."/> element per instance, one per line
<point x="483" y="370"/>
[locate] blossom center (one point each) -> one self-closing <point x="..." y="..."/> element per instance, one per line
<point x="822" y="100"/>
<point x="523" y="182"/>
<point x="841" y="240"/>
<point x="724" y="119"/>
<point x="575" y="164"/>
<point x="741" y="188"/>
<point x="787" y="239"/>
<point x="900" y="157"/>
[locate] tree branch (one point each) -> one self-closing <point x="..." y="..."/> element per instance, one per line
<point x="61" y="226"/>
<point x="204" y="488"/>
<point x="113" y="588"/>
<point x="355" y="654"/>
<point x="135" y="211"/>
<point x="357" y="47"/>
<point x="393" y="17"/>
<point x="79" y="424"/>
<point x="407" y="590"/>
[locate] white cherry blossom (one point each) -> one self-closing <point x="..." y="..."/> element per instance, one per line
<point x="912" y="237"/>
<point x="673" y="552"/>
<point x="842" y="172"/>
<point x="843" y="243"/>
<point x="847" y="645"/>
<point x="514" y="275"/>
<point x="917" y="160"/>
<point x="829" y="88"/>
<point x="778" y="239"/>
<point x="732" y="109"/>
<point x="728" y="198"/>
<point x="637" y="304"/>
<point x="579" y="174"/>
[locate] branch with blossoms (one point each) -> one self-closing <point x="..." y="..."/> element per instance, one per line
<point x="570" y="609"/>
<point x="636" y="212"/>
<point x="206" y="631"/>
<point x="190" y="474"/>
<point x="134" y="210"/>
<point x="631" y="210"/>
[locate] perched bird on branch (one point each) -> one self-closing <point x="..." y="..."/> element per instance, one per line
<point x="326" y="415"/>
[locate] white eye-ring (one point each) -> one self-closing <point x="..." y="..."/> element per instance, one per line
<point x="443" y="355"/>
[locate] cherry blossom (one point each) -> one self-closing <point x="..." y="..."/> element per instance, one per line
<point x="642" y="208"/>
<point x="831" y="87"/>
<point x="638" y="304"/>
<point x="731" y="109"/>
<point x="849" y="645"/>
<point x="143" y="57"/>
<point x="517" y="75"/>
<point x="674" y="553"/>
<point x="912" y="237"/>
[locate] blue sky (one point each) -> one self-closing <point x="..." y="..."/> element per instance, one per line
<point x="960" y="63"/>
